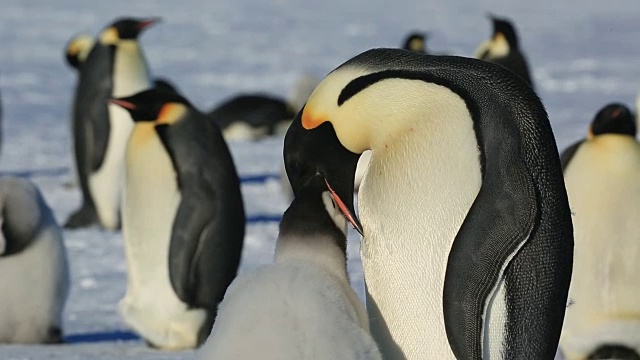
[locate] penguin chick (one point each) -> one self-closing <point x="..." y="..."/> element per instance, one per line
<point x="34" y="273"/>
<point x="301" y="306"/>
<point x="503" y="48"/>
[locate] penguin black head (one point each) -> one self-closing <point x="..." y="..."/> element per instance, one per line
<point x="503" y="27"/>
<point x="415" y="41"/>
<point x="165" y="85"/>
<point x="125" y="29"/>
<point x="314" y="213"/>
<point x="154" y="106"/>
<point x="613" y="119"/>
<point x="78" y="49"/>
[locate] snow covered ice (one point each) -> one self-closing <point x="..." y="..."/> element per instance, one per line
<point x="582" y="56"/>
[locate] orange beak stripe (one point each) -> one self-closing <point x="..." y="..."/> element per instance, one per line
<point x="311" y="122"/>
<point x="345" y="211"/>
<point x="124" y="104"/>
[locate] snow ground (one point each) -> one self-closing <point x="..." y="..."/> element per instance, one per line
<point x="582" y="58"/>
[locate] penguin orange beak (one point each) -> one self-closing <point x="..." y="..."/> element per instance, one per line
<point x="148" y="23"/>
<point x="346" y="211"/>
<point x="124" y="104"/>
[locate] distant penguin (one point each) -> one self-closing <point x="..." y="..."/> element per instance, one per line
<point x="183" y="220"/>
<point x="467" y="239"/>
<point x="416" y="42"/>
<point x="301" y="307"/>
<point x="77" y="49"/>
<point x="115" y="67"/>
<point x="601" y="175"/>
<point x="503" y="48"/>
<point x="248" y="117"/>
<point x="34" y="274"/>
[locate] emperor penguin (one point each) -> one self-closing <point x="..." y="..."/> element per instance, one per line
<point x="601" y="175"/>
<point x="300" y="307"/>
<point x="115" y="67"/>
<point x="34" y="273"/>
<point x="183" y="220"/>
<point x="503" y="48"/>
<point x="77" y="49"/>
<point x="416" y="41"/>
<point x="467" y="237"/>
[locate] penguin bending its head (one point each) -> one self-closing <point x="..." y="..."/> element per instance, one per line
<point x="463" y="207"/>
<point x="115" y="67"/>
<point x="301" y="306"/>
<point x="503" y="48"/>
<point x="601" y="175"/>
<point x="34" y="273"/>
<point x="416" y="42"/>
<point x="183" y="220"/>
<point x="78" y="49"/>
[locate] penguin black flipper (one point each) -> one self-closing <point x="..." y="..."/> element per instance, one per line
<point x="91" y="127"/>
<point x="210" y="219"/>
<point x="569" y="153"/>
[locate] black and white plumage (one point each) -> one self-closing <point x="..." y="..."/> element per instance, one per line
<point x="601" y="175"/>
<point x="34" y="273"/>
<point x="468" y="241"/>
<point x="184" y="220"/>
<point x="114" y="67"/>
<point x="301" y="307"/>
<point x="504" y="48"/>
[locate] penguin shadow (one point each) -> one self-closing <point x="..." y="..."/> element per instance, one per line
<point x="380" y="330"/>
<point x="99" y="337"/>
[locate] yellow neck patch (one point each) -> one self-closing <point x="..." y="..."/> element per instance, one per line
<point x="171" y="113"/>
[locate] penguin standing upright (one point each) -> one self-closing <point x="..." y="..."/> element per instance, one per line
<point x="115" y="67"/>
<point x="503" y="48"/>
<point x="301" y="307"/>
<point x="601" y="175"/>
<point x="467" y="247"/>
<point x="183" y="220"/>
<point x="34" y="273"/>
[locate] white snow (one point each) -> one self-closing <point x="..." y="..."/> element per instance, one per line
<point x="583" y="56"/>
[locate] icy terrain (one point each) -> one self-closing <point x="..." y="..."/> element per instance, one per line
<point x="582" y="56"/>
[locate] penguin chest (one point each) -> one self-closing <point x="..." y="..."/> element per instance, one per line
<point x="604" y="196"/>
<point x="411" y="207"/>
<point x="151" y="202"/>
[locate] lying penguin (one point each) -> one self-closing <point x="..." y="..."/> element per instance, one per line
<point x="301" y="306"/>
<point x="34" y="274"/>
<point x="601" y="176"/>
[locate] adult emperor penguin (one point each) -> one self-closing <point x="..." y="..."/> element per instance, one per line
<point x="77" y="49"/>
<point x="34" y="275"/>
<point x="415" y="41"/>
<point x="601" y="176"/>
<point x="467" y="247"/>
<point x="503" y="48"/>
<point x="183" y="220"/>
<point x="306" y="309"/>
<point x="115" y="67"/>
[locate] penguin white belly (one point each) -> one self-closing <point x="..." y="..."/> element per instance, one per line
<point x="34" y="284"/>
<point x="151" y="200"/>
<point x="430" y="184"/>
<point x="130" y="76"/>
<point x="311" y="311"/>
<point x="604" y="195"/>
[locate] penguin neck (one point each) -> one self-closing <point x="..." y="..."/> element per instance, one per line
<point x="321" y="250"/>
<point x="130" y="71"/>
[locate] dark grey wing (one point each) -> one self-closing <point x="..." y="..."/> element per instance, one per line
<point x="569" y="153"/>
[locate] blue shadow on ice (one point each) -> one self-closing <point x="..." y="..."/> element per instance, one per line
<point x="263" y="218"/>
<point x="107" y="336"/>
